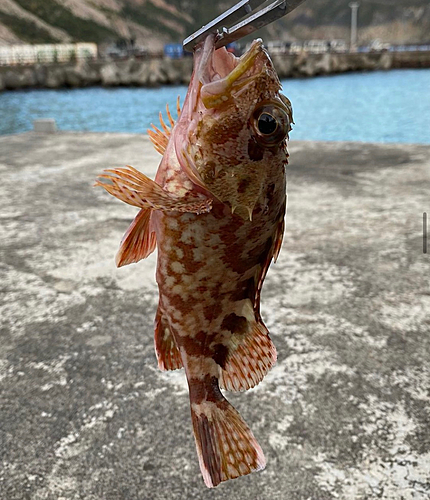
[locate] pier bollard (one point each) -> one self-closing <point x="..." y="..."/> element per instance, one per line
<point x="45" y="125"/>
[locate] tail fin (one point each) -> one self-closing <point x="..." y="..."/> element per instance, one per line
<point x="225" y="445"/>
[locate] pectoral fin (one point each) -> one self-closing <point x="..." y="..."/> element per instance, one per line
<point x="139" y="241"/>
<point x="131" y="186"/>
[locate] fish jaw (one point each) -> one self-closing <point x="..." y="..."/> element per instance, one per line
<point x="218" y="91"/>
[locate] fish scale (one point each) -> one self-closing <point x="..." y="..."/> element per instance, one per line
<point x="216" y="214"/>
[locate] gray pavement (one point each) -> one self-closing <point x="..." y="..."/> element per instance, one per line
<point x="85" y="413"/>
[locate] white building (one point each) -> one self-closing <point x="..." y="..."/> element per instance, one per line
<point x="11" y="55"/>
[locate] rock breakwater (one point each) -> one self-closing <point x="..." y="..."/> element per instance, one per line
<point x="155" y="72"/>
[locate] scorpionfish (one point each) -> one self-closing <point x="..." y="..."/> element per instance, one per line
<point x="215" y="212"/>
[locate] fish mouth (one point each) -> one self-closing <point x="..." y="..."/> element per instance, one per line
<point x="221" y="73"/>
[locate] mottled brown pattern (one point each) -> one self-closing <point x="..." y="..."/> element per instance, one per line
<point x="197" y="347"/>
<point x="212" y="311"/>
<point x="225" y="196"/>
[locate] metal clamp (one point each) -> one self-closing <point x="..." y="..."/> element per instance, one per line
<point x="249" y="16"/>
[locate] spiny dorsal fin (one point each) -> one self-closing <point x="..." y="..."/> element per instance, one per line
<point x="160" y="138"/>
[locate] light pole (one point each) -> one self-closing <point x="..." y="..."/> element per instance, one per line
<point x="354" y="8"/>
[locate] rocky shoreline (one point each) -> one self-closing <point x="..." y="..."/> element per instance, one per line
<point x="155" y="72"/>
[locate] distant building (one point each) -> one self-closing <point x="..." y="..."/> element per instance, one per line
<point x="316" y="46"/>
<point x="296" y="47"/>
<point x="338" y="46"/>
<point x="11" y="55"/>
<point x="278" y="47"/>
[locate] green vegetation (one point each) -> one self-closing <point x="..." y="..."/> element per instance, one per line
<point x="26" y="30"/>
<point x="56" y="15"/>
<point x="193" y="14"/>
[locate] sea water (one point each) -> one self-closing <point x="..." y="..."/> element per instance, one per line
<point x="381" y="106"/>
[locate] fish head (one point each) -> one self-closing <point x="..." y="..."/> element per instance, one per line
<point x="235" y="124"/>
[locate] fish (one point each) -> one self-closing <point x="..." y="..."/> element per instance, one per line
<point x="215" y="212"/>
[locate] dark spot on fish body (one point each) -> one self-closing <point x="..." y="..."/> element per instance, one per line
<point x="255" y="152"/>
<point x="234" y="246"/>
<point x="205" y="389"/>
<point x="220" y="355"/>
<point x="235" y="262"/>
<point x="235" y="324"/>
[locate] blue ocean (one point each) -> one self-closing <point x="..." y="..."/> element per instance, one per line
<point x="382" y="106"/>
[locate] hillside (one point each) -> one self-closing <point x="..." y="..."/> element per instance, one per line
<point x="155" y="22"/>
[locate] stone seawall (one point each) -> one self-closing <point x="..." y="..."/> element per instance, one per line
<point x="154" y="72"/>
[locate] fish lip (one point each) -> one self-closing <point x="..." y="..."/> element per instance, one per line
<point x="219" y="70"/>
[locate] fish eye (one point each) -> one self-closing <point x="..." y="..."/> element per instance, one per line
<point x="271" y="123"/>
<point x="267" y="123"/>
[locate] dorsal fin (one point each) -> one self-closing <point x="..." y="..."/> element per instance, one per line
<point x="160" y="138"/>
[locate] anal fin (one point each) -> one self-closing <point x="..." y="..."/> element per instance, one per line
<point x="251" y="359"/>
<point x="168" y="355"/>
<point x="139" y="241"/>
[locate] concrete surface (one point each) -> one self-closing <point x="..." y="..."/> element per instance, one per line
<point x="85" y="414"/>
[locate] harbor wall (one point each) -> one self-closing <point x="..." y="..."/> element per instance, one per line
<point x="155" y="72"/>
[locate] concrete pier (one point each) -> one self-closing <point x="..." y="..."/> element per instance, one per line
<point x="84" y="411"/>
